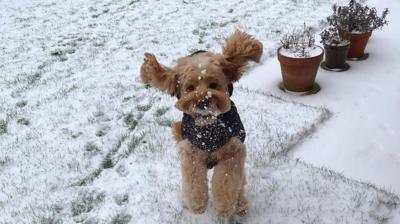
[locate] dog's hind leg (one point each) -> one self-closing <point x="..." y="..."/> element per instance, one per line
<point x="194" y="177"/>
<point x="242" y="203"/>
<point x="228" y="180"/>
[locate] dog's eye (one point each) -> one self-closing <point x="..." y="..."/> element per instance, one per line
<point x="213" y="85"/>
<point x="190" y="88"/>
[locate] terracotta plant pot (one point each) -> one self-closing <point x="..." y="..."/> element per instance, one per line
<point x="335" y="56"/>
<point x="299" y="74"/>
<point x="358" y="43"/>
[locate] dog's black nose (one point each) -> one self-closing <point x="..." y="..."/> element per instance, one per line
<point x="203" y="104"/>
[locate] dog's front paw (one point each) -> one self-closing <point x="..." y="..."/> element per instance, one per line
<point x="241" y="206"/>
<point x="224" y="210"/>
<point x="241" y="212"/>
<point x="199" y="209"/>
<point x="196" y="205"/>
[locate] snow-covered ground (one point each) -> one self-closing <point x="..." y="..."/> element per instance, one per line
<point x="82" y="140"/>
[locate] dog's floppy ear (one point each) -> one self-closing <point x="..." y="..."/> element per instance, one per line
<point x="239" y="49"/>
<point x="159" y="76"/>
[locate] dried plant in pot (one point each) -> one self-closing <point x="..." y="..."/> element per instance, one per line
<point x="336" y="49"/>
<point x="357" y="21"/>
<point x="299" y="58"/>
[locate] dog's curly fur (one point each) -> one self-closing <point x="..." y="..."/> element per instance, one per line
<point x="201" y="81"/>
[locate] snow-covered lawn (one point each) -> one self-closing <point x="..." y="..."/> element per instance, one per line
<point x="81" y="140"/>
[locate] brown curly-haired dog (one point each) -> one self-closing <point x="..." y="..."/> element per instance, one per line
<point x="210" y="133"/>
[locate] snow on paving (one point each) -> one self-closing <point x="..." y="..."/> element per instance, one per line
<point x="362" y="138"/>
<point x="81" y="140"/>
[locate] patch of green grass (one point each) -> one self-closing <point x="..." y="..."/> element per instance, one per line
<point x="121" y="199"/>
<point x="165" y="122"/>
<point x="74" y="165"/>
<point x="50" y="220"/>
<point x="195" y="32"/>
<point x="86" y="201"/>
<point x="133" y="2"/>
<point x="21" y="103"/>
<point x="121" y="218"/>
<point x="71" y="43"/>
<point x="42" y="66"/>
<point x="76" y="134"/>
<point x="91" y="148"/>
<point x="92" y="9"/>
<point x="130" y="121"/>
<point x="34" y="78"/>
<point x="100" y="133"/>
<point x="161" y="111"/>
<point x="3" y="126"/>
<point x="139" y="116"/>
<point x="143" y="108"/>
<point x="4" y="161"/>
<point x="57" y="52"/>
<point x="23" y="121"/>
<point x="202" y="35"/>
<point x="107" y="163"/>
<point x="134" y="143"/>
<point x="127" y="98"/>
<point x="61" y="54"/>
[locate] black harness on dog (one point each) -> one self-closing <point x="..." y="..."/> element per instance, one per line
<point x="216" y="135"/>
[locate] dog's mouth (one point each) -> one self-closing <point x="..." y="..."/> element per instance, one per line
<point x="204" y="111"/>
<point x="203" y="117"/>
<point x="200" y="116"/>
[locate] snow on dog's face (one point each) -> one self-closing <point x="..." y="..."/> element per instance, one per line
<point x="203" y="87"/>
<point x="201" y="81"/>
